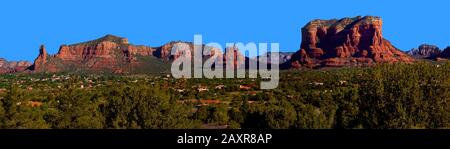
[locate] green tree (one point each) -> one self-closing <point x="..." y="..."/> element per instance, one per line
<point x="78" y="108"/>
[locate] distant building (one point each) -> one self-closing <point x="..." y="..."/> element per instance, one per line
<point x="34" y="103"/>
<point x="342" y="82"/>
<point x="317" y="83"/>
<point x="202" y="89"/>
<point x="245" y="87"/>
<point x="220" y="87"/>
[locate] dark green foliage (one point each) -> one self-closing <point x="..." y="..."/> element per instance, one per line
<point x="381" y="97"/>
<point x="119" y="105"/>
<point x="270" y="115"/>
<point x="17" y="115"/>
<point x="78" y="109"/>
<point x="144" y="106"/>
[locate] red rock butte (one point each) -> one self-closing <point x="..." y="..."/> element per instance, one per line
<point x="354" y="41"/>
<point x="13" y="66"/>
<point x="107" y="53"/>
<point x="115" y="54"/>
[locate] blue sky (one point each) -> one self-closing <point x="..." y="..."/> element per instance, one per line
<point x="25" y="24"/>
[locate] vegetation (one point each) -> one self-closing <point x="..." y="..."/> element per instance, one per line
<point x="386" y="96"/>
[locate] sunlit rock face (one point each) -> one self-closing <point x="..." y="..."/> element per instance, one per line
<point x="345" y="42"/>
<point x="425" y="51"/>
<point x="13" y="66"/>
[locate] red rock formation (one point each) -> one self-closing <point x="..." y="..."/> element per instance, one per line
<point x="232" y="53"/>
<point x="41" y="59"/>
<point x="13" y="66"/>
<point x="425" y="51"/>
<point x="164" y="52"/>
<point x="113" y="54"/>
<point x="348" y="41"/>
<point x="110" y="53"/>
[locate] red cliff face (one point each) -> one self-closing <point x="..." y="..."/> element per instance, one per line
<point x="234" y="54"/>
<point x="41" y="59"/>
<point x="110" y="53"/>
<point x="164" y="51"/>
<point x="345" y="42"/>
<point x="425" y="51"/>
<point x="13" y="66"/>
<point x="114" y="54"/>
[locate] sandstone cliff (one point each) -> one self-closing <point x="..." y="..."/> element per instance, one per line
<point x="425" y="51"/>
<point x="13" y="66"/>
<point x="109" y="53"/>
<point x="116" y="55"/>
<point x="346" y="42"/>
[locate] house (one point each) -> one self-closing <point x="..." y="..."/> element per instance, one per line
<point x="245" y="87"/>
<point x="220" y="87"/>
<point x="202" y="89"/>
<point x="342" y="82"/>
<point x="34" y="103"/>
<point x="252" y="93"/>
<point x="317" y="83"/>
